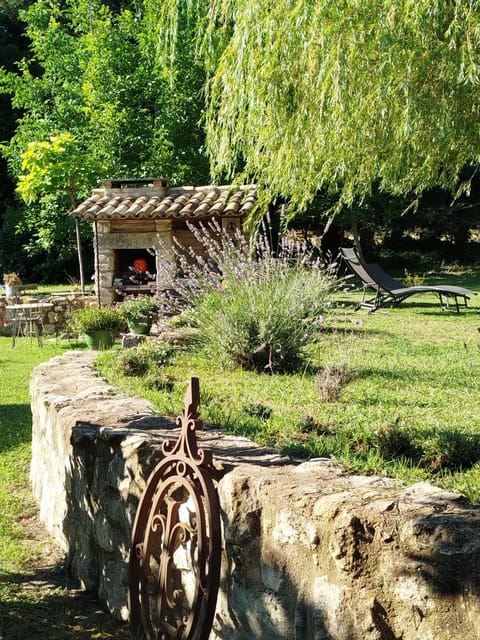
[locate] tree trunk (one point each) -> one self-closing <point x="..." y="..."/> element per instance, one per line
<point x="356" y="241"/>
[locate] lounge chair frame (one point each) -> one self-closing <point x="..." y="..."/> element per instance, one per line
<point x="387" y="290"/>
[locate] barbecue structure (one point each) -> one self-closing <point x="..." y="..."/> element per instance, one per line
<point x="136" y="223"/>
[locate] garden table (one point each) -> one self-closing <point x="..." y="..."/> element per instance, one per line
<point x="27" y="319"/>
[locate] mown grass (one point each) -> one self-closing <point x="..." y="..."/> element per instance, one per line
<point x="15" y="436"/>
<point x="35" y="602"/>
<point x="410" y="406"/>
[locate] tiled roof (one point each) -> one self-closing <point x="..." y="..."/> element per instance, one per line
<point x="179" y="202"/>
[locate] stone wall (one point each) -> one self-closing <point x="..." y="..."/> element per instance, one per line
<point x="54" y="319"/>
<point x="310" y="552"/>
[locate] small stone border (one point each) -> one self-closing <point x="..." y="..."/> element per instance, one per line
<point x="54" y="319"/>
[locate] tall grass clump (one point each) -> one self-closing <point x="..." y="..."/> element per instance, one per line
<point x="255" y="306"/>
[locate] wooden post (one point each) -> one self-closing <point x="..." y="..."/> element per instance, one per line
<point x="79" y="252"/>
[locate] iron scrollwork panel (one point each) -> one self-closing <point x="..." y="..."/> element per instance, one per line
<point x="176" y="544"/>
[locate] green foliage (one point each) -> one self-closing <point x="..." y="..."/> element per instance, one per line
<point x="94" y="77"/>
<point x="146" y="360"/>
<point x="93" y="318"/>
<point x="91" y="102"/>
<point x="410" y="408"/>
<point x="393" y="441"/>
<point x="449" y="450"/>
<point x="131" y="363"/>
<point x="263" y="325"/>
<point x="140" y="309"/>
<point x="258" y="410"/>
<point x="413" y="279"/>
<point x="310" y="95"/>
<point x="52" y="166"/>
<point x="254" y="307"/>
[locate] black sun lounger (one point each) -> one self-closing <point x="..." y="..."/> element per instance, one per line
<point x="388" y="290"/>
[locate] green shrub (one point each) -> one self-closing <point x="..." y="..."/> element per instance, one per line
<point x="449" y="449"/>
<point x="255" y="308"/>
<point x="393" y="441"/>
<point x="413" y="280"/>
<point x="131" y="363"/>
<point x="308" y="424"/>
<point x="146" y="359"/>
<point x="159" y="381"/>
<point x="157" y="354"/>
<point x="94" y="318"/>
<point x="140" y="309"/>
<point x="258" y="410"/>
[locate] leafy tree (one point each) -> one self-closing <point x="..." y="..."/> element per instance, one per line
<point x="92" y="83"/>
<point x="13" y="46"/>
<point x="92" y="74"/>
<point x="53" y="168"/>
<point x="317" y="95"/>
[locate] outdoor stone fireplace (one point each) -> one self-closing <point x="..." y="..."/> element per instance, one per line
<point x="136" y="221"/>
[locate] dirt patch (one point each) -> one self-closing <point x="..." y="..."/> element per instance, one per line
<point x="45" y="602"/>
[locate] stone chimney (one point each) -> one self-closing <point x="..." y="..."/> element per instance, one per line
<point x="136" y="187"/>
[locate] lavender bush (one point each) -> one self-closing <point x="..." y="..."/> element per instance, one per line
<point x="255" y="307"/>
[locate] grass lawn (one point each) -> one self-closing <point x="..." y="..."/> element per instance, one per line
<point x="35" y="601"/>
<point x="15" y="435"/>
<point x="410" y="406"/>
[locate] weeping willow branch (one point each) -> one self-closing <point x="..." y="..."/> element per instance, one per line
<point x="305" y="95"/>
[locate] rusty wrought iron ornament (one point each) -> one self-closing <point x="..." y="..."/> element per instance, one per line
<point x="176" y="541"/>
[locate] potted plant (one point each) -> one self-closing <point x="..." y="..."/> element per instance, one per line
<point x="99" y="325"/>
<point x="139" y="313"/>
<point x="11" y="282"/>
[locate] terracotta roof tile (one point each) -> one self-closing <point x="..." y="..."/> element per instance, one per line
<point x="137" y="207"/>
<point x="181" y="202"/>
